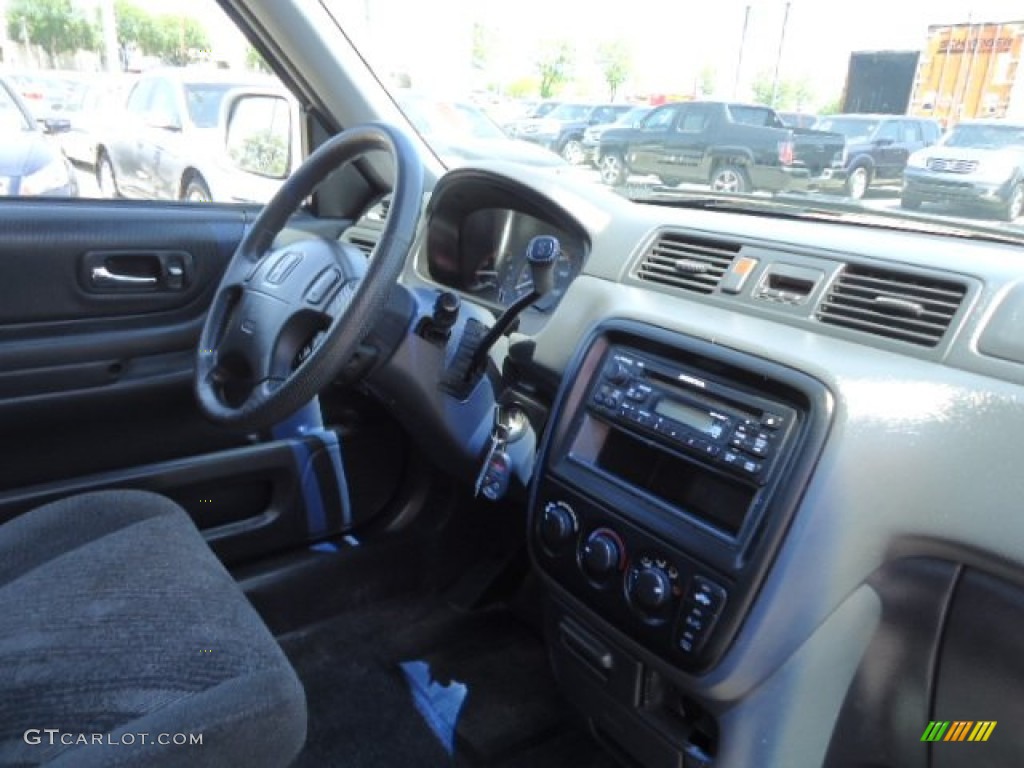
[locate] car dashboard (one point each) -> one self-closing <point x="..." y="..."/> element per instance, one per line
<point x="774" y="497"/>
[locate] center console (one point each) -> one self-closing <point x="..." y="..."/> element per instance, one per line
<point x="668" y="477"/>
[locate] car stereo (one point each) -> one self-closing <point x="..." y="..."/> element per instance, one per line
<point x="700" y="446"/>
<point x="668" y="478"/>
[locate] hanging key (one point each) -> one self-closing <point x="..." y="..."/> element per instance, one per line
<point x="509" y="425"/>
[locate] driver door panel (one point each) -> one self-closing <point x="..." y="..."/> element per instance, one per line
<point x="96" y="383"/>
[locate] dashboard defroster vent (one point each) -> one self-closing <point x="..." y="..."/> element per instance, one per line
<point x="690" y="263"/>
<point x="365" y="233"/>
<point x="911" y="308"/>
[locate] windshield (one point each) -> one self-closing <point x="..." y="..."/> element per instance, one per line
<point x="633" y="116"/>
<point x="851" y="128"/>
<point x="203" y="101"/>
<point x="448" y="120"/>
<point x="885" y="82"/>
<point x="986" y="136"/>
<point x="12" y="119"/>
<point x="570" y="112"/>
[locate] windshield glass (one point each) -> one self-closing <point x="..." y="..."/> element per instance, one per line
<point x="723" y="72"/>
<point x="986" y="136"/>
<point x="448" y="120"/>
<point x="203" y="100"/>
<point x="12" y="119"/>
<point x="851" y="128"/>
<point x="633" y="116"/>
<point x="569" y="112"/>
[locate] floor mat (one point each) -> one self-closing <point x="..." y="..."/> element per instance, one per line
<point x="417" y="683"/>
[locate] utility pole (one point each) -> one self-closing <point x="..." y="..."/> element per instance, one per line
<point x="778" y="56"/>
<point x="111" y="50"/>
<point x="743" y="45"/>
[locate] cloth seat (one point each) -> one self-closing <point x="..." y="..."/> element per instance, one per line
<point x="117" y="620"/>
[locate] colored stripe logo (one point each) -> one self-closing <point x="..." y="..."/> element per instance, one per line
<point x="958" y="730"/>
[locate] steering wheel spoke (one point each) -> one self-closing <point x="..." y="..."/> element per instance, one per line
<point x="287" y="318"/>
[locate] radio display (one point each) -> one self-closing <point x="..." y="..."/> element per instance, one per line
<point x="685" y="414"/>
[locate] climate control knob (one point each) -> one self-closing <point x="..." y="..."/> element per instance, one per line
<point x="557" y="524"/>
<point x="601" y="554"/>
<point x="651" y="589"/>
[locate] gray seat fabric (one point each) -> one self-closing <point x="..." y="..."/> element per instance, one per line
<point x="117" y="620"/>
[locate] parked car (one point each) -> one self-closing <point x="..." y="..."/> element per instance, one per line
<point x="592" y="135"/>
<point x="31" y="164"/>
<point x="978" y="164"/>
<point x="168" y="146"/>
<point x="798" y="119"/>
<point x="877" y="149"/>
<point x="460" y="132"/>
<point x="50" y="93"/>
<point x="532" y="111"/>
<point x="96" y="114"/>
<point x="731" y="146"/>
<point x="561" y="130"/>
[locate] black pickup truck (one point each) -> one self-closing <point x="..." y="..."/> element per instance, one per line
<point x="731" y="146"/>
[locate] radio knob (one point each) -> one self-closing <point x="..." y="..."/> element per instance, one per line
<point x="557" y="524"/>
<point x="618" y="374"/>
<point x="601" y="555"/>
<point x="651" y="589"/>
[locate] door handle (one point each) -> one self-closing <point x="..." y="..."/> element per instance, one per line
<point x="104" y="278"/>
<point x="136" y="271"/>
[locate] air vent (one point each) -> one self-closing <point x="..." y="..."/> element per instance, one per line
<point x="686" y="262"/>
<point x="365" y="233"/>
<point x="910" y="308"/>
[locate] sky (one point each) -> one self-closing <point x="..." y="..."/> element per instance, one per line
<point x="670" y="40"/>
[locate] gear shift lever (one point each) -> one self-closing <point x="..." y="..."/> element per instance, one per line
<point x="542" y="254"/>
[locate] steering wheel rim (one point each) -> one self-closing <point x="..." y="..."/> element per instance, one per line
<point x="267" y="298"/>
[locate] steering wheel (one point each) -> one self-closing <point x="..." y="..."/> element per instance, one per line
<point x="285" y="320"/>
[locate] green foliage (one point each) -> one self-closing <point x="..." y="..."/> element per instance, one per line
<point x="790" y="94"/>
<point x="522" y="88"/>
<point x="254" y="60"/>
<point x="555" y="67"/>
<point x="616" y="65"/>
<point x="483" y="42"/>
<point x="174" y="39"/>
<point x="58" y="26"/>
<point x="833" y="107"/>
<point x="707" y="80"/>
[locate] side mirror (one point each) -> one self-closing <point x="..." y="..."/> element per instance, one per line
<point x="54" y="125"/>
<point x="884" y="142"/>
<point x="163" y="121"/>
<point x="258" y="134"/>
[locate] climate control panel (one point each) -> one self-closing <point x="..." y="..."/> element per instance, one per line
<point x="648" y="589"/>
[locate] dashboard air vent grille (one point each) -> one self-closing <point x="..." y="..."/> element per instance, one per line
<point x="686" y="262"/>
<point x="365" y="233"/>
<point x="896" y="305"/>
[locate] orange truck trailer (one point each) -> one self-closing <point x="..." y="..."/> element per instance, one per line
<point x="970" y="70"/>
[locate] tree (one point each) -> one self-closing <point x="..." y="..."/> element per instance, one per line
<point x="707" y="80"/>
<point x="790" y="94"/>
<point x="554" y="67"/>
<point x="55" y="25"/>
<point x="254" y="60"/>
<point x="483" y="44"/>
<point x="833" y="107"/>
<point x="616" y="63"/>
<point x="173" y="39"/>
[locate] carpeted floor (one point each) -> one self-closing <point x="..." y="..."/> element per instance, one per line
<point x="415" y="683"/>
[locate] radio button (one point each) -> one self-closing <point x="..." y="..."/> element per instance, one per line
<point x="752" y="468"/>
<point x="732" y="458"/>
<point x="771" y="421"/>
